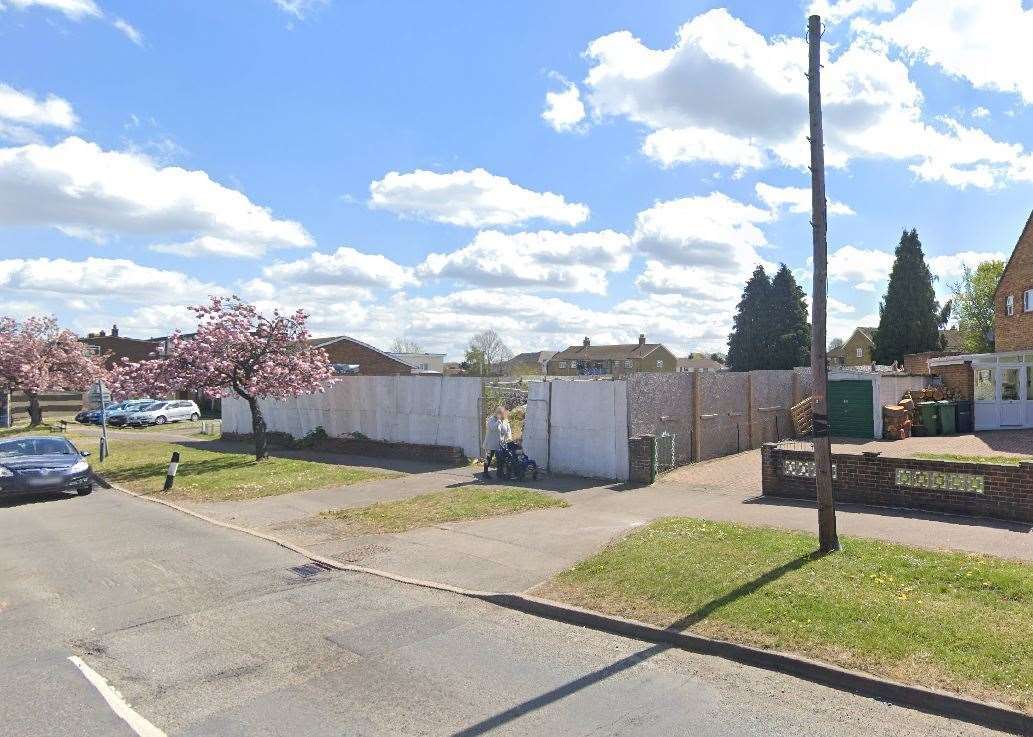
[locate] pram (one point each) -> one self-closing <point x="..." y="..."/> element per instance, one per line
<point x="513" y="462"/>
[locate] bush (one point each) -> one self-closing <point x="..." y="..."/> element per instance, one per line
<point x="315" y="438"/>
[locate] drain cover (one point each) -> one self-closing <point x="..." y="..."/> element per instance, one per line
<point x="308" y="570"/>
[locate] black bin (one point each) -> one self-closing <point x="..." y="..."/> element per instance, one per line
<point x="965" y="421"/>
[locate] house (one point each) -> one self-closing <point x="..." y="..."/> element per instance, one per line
<point x="1001" y="383"/>
<point x="533" y="363"/>
<point x="352" y="356"/>
<point x="612" y="360"/>
<point x="689" y="364"/>
<point x="115" y="347"/>
<point x="424" y="363"/>
<point x="836" y="357"/>
<point x="859" y="350"/>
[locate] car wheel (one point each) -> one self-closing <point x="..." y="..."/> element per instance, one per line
<point x="160" y="420"/>
<point x="195" y="417"/>
<point x="85" y="490"/>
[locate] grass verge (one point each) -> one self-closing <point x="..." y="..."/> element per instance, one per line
<point x="948" y="620"/>
<point x="960" y="458"/>
<point x="220" y="475"/>
<point x="450" y="505"/>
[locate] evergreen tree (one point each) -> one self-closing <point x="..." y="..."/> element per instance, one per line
<point x="790" y="328"/>
<point x="909" y="316"/>
<point x="750" y="340"/>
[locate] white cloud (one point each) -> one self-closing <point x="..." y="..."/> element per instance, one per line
<point x="980" y="112"/>
<point x="564" y="110"/>
<point x="345" y="267"/>
<point x="78" y="187"/>
<point x="986" y="42"/>
<point x="722" y="81"/>
<point x="74" y="9"/>
<point x="864" y="269"/>
<point x="670" y="146"/>
<point x="99" y="277"/>
<point x="834" y="11"/>
<point x="300" y="8"/>
<point x="951" y="267"/>
<point x="796" y="200"/>
<point x="576" y="262"/>
<point x="129" y="31"/>
<point x="208" y="245"/>
<point x="474" y="198"/>
<point x="21" y="111"/>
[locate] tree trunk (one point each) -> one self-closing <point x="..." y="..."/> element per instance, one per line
<point x="258" y="430"/>
<point x="35" y="411"/>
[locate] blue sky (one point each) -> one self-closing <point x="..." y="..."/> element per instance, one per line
<point x="398" y="169"/>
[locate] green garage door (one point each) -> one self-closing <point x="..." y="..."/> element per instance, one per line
<point x="850" y="409"/>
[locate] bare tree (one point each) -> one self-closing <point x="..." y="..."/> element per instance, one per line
<point x="406" y="345"/>
<point x="490" y="345"/>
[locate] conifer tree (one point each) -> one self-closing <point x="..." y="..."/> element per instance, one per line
<point x="909" y="316"/>
<point x="790" y="328"/>
<point x="750" y="340"/>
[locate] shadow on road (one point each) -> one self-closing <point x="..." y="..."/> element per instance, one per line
<point x="590" y="679"/>
<point x="21" y="500"/>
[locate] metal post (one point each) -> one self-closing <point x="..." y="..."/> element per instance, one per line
<point x="828" y="540"/>
<point x="170" y="475"/>
<point x="103" y="422"/>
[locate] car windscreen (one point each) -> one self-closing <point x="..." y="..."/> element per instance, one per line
<point x="36" y="447"/>
<point x="150" y="407"/>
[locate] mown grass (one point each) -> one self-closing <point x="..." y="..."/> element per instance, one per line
<point x="961" y="458"/>
<point x="450" y="505"/>
<point x="215" y="474"/>
<point x="948" y="620"/>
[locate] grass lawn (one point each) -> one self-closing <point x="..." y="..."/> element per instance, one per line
<point x="219" y="475"/>
<point x="959" y="458"/>
<point x="450" y="505"/>
<point x="949" y="620"/>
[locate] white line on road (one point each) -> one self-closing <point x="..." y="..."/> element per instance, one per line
<point x="118" y="705"/>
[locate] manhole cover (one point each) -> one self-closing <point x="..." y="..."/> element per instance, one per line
<point x="309" y="569"/>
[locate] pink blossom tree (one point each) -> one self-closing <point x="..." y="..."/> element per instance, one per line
<point x="37" y="355"/>
<point x="236" y="350"/>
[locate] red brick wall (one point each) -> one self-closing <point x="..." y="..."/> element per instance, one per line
<point x="871" y="479"/>
<point x="918" y="363"/>
<point x="959" y="378"/>
<point x="371" y="363"/>
<point x="1015" y="332"/>
<point x="118" y="347"/>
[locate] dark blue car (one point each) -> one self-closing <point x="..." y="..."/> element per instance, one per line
<point x="42" y="464"/>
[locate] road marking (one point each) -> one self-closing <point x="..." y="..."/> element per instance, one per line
<point x="118" y="705"/>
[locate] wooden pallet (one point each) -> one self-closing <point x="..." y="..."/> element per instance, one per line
<point x="802" y="415"/>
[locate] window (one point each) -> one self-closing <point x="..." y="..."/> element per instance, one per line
<point x="1009" y="305"/>
<point x="563" y="364"/>
<point x="1009" y="384"/>
<point x="860" y="352"/>
<point x="1027" y="300"/>
<point x="627" y="363"/>
<point x="985" y="391"/>
<point x="91" y="350"/>
<point x="659" y="364"/>
<point x="1029" y="383"/>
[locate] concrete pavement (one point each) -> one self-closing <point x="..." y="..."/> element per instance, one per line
<point x="211" y="632"/>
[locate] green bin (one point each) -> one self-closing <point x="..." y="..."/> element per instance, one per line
<point x="929" y="412"/>
<point x="948" y="417"/>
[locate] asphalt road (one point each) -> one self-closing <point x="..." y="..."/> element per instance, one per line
<point x="208" y="632"/>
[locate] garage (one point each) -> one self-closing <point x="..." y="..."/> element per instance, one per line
<point x="851" y="403"/>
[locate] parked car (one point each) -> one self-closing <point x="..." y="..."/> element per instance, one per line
<point x="37" y="464"/>
<point x="92" y="416"/>
<point x="118" y="417"/>
<point x="158" y="413"/>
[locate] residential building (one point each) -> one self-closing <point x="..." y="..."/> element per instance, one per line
<point x="115" y="347"/>
<point x="612" y="360"/>
<point x="690" y="364"/>
<point x="351" y="356"/>
<point x="835" y="357"/>
<point x="859" y="350"/>
<point x="423" y="363"/>
<point x="531" y="363"/>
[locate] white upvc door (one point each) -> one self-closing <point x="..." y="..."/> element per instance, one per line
<point x="1010" y="391"/>
<point x="1027" y="385"/>
<point x="987" y="415"/>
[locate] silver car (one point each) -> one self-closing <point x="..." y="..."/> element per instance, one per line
<point x="158" y="413"/>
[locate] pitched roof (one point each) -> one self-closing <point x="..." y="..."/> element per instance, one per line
<point x="953" y="340"/>
<point x="605" y="352"/>
<point x="702" y="363"/>
<point x="869" y="333"/>
<point x="324" y="342"/>
<point x="530" y="357"/>
<point x="1022" y="235"/>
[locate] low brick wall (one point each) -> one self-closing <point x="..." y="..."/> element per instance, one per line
<point x="364" y="447"/>
<point x="641" y="459"/>
<point x="977" y="489"/>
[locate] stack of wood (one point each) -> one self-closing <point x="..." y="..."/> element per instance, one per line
<point x="802" y="415"/>
<point x="896" y="421"/>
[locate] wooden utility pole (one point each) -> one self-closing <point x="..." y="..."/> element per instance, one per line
<point x="828" y="540"/>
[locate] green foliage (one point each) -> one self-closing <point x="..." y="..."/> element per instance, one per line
<point x="314" y="439"/>
<point x="771" y="329"/>
<point x="973" y="305"/>
<point x="474" y="363"/>
<point x="909" y="315"/>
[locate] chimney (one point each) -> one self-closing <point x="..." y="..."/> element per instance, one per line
<point x="114" y="331"/>
<point x="91" y="335"/>
<point x="586" y="342"/>
<point x="641" y="338"/>
<point x="101" y="333"/>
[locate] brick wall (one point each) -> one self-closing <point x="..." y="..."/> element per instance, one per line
<point x="872" y="479"/>
<point x="641" y="462"/>
<point x="371" y="362"/>
<point x="1015" y="332"/>
<point x="364" y="447"/>
<point x="918" y="363"/>
<point x="959" y="378"/>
